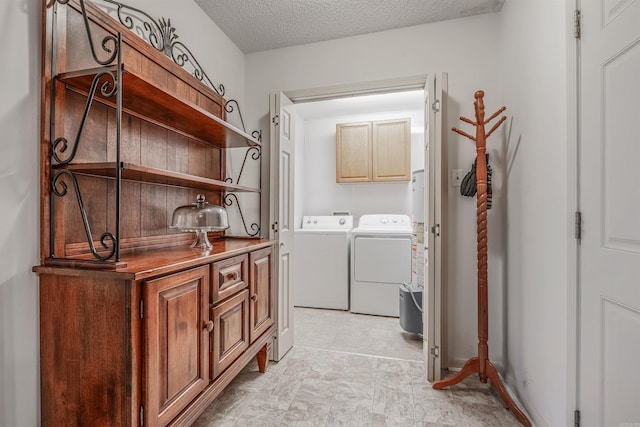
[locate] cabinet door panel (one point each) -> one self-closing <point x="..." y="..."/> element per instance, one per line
<point x="176" y="345"/>
<point x="353" y="152"/>
<point x="231" y="331"/>
<point x="392" y="150"/>
<point x="261" y="311"/>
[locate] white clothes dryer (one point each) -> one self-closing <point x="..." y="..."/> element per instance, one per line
<point x="380" y="263"/>
<point x="321" y="269"/>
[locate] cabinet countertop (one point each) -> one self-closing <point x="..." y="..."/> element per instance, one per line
<point x="152" y="263"/>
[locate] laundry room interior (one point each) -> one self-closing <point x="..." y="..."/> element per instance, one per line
<point x="316" y="190"/>
<point x="324" y="259"/>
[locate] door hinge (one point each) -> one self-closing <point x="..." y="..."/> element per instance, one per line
<point x="577" y="232"/>
<point x="141" y="309"/>
<point x="436" y="105"/>
<point x="274" y="227"/>
<point x="436" y="230"/>
<point x="276" y="120"/>
<point x="141" y="415"/>
<point x="576" y="24"/>
<point x="435" y="351"/>
<point x="576" y="418"/>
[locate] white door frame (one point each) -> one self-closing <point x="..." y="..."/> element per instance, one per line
<point x="435" y="224"/>
<point x="578" y="283"/>
<point x="369" y="88"/>
<point x="573" y="125"/>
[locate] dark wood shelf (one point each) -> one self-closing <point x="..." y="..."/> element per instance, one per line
<point x="133" y="172"/>
<point x="145" y="99"/>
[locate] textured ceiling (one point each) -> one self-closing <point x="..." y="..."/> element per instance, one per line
<point x="257" y="25"/>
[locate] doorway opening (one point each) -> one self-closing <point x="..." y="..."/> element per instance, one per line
<point x="282" y="198"/>
<point x="318" y="194"/>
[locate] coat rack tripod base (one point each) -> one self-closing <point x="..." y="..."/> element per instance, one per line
<point x="472" y="366"/>
<point x="481" y="364"/>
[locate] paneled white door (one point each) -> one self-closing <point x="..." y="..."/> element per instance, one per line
<point x="609" y="199"/>
<point x="281" y="215"/>
<point x="435" y="210"/>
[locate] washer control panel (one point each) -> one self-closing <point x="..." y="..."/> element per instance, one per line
<point x="328" y="222"/>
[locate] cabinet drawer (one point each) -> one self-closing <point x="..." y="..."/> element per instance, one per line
<point x="229" y="277"/>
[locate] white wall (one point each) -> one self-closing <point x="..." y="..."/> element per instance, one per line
<point x="533" y="43"/>
<point x="321" y="194"/>
<point x="19" y="212"/>
<point x="467" y="49"/>
<point x="19" y="179"/>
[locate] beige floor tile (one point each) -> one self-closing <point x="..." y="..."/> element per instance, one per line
<point x="302" y="413"/>
<point x="354" y="416"/>
<point x="480" y="415"/>
<point x="351" y="370"/>
<point x="316" y="391"/>
<point x="209" y="419"/>
<point x="380" y="420"/>
<point x="393" y="403"/>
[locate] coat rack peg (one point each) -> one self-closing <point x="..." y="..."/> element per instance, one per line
<point x="496" y="126"/>
<point x="481" y="364"/>
<point x="471" y="122"/>
<point x="463" y="133"/>
<point x="494" y="115"/>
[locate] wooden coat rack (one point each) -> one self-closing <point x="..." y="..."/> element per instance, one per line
<point x="481" y="364"/>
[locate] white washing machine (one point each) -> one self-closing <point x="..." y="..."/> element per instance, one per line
<point x="321" y="269"/>
<point x="380" y="263"/>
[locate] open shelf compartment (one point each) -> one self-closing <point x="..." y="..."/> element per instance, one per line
<point x="145" y="99"/>
<point x="133" y="172"/>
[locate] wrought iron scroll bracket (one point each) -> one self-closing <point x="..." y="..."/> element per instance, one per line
<point x="108" y="89"/>
<point x="161" y="34"/>
<point x="106" y="41"/>
<point x="255" y="228"/>
<point x="255" y="155"/>
<point x="60" y="189"/>
<point x="108" y="82"/>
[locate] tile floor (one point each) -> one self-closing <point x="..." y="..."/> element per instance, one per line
<point x="351" y="370"/>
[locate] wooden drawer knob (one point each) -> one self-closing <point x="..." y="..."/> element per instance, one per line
<point x="254" y="298"/>
<point x="208" y="325"/>
<point x="231" y="276"/>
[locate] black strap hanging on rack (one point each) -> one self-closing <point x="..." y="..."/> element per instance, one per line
<point x="468" y="185"/>
<point x="489" y="190"/>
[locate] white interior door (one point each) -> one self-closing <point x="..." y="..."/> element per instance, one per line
<point x="609" y="198"/>
<point x="435" y="227"/>
<point x="281" y="217"/>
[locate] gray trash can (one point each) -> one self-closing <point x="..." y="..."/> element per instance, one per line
<point x="410" y="314"/>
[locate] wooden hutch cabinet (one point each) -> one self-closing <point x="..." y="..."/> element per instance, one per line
<point x="136" y="327"/>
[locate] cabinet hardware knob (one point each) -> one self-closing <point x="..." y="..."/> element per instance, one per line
<point x="232" y="276"/>
<point x="254" y="298"/>
<point x="208" y="325"/>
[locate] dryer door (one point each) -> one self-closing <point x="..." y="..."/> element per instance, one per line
<point x="382" y="259"/>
